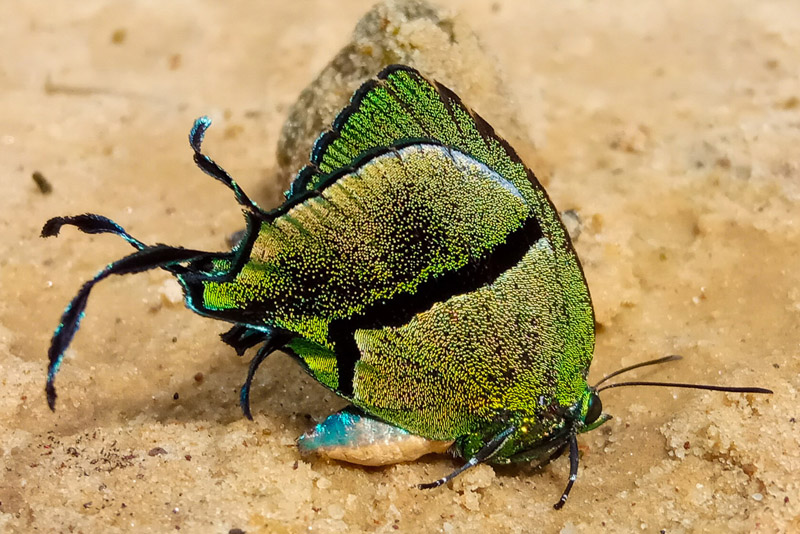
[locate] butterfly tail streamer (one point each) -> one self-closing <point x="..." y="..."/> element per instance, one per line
<point x="144" y="259"/>
<point x="211" y="168"/>
<point x="90" y="223"/>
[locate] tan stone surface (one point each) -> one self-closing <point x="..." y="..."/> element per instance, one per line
<point x="671" y="127"/>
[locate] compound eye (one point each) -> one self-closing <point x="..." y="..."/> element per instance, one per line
<point x="595" y="409"/>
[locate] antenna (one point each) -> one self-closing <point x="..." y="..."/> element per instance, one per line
<point x="729" y="389"/>
<point x="665" y="359"/>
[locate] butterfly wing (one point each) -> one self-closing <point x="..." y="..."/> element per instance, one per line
<point x="409" y="201"/>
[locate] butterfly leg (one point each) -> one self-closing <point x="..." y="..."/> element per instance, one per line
<point x="573" y="471"/>
<point x="242" y="337"/>
<point x="550" y="449"/>
<point x="486" y="453"/>
<point x="557" y="452"/>
<point x="273" y="342"/>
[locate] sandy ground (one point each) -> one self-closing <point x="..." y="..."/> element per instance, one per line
<point x="670" y="127"/>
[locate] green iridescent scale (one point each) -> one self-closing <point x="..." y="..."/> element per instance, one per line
<point x="417" y="268"/>
<point x="421" y="270"/>
<point x="399" y="221"/>
<point x="478" y="356"/>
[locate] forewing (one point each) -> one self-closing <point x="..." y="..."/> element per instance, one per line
<point x="409" y="200"/>
<point x="408" y="228"/>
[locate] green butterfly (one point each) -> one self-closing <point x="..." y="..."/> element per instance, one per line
<point x="417" y="269"/>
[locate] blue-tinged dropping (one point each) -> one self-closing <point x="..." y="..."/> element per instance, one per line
<point x="353" y="436"/>
<point x="419" y="270"/>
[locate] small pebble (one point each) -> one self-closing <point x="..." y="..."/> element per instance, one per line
<point x="42" y="183"/>
<point x="118" y="36"/>
<point x="573" y="223"/>
<point x="336" y="511"/>
<point x="171" y="293"/>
